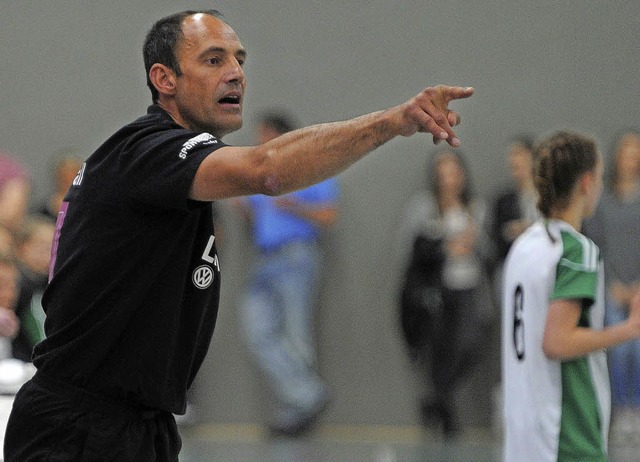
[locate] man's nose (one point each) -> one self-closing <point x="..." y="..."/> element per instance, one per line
<point x="235" y="72"/>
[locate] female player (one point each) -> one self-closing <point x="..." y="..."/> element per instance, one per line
<point x="557" y="398"/>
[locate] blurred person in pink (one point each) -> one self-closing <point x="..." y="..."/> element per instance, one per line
<point x="9" y="324"/>
<point x="15" y="191"/>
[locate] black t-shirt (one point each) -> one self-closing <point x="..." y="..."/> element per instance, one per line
<point x="135" y="282"/>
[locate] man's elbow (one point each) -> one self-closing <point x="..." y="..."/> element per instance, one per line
<point x="271" y="185"/>
<point x="266" y="178"/>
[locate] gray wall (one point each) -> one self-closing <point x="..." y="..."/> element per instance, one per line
<point x="72" y="73"/>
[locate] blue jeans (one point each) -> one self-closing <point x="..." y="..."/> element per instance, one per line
<point x="277" y="320"/>
<point x="624" y="362"/>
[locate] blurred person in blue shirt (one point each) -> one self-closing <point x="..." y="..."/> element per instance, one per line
<point x="278" y="306"/>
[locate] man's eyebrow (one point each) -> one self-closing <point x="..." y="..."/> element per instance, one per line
<point x="240" y="52"/>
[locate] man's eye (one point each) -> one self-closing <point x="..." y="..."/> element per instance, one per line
<point x="213" y="61"/>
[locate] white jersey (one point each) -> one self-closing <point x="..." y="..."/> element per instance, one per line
<point x="553" y="410"/>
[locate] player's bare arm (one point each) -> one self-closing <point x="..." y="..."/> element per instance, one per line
<point x="564" y="339"/>
<point x="307" y="156"/>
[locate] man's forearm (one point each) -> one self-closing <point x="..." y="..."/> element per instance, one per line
<point x="307" y="156"/>
<point x="303" y="157"/>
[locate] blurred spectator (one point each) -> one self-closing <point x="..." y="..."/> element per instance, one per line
<point x="612" y="229"/>
<point x="33" y="252"/>
<point x="7" y="241"/>
<point x="15" y="190"/>
<point x="515" y="209"/>
<point x="444" y="227"/>
<point x="9" y="324"/>
<point x="66" y="166"/>
<point x="278" y="309"/>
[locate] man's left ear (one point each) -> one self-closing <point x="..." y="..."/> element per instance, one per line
<point x="163" y="78"/>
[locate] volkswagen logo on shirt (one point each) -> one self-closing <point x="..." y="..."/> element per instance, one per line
<point x="202" y="276"/>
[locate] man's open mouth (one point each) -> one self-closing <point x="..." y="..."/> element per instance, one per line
<point x="230" y="99"/>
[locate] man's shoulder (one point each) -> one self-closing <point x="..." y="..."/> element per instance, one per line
<point x="156" y="129"/>
<point x="157" y="118"/>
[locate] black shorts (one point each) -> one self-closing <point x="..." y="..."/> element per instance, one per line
<point x="52" y="421"/>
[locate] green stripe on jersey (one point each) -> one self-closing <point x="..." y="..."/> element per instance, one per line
<point x="580" y="435"/>
<point x="577" y="271"/>
<point x="577" y="279"/>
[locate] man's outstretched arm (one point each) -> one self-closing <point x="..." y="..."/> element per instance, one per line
<point x="309" y="155"/>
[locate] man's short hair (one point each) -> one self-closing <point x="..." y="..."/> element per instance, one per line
<point x="160" y="44"/>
